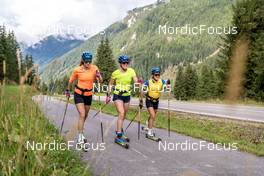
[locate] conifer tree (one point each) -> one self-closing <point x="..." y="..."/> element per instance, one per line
<point x="105" y="61"/>
<point x="190" y="82"/>
<point x="205" y="88"/>
<point x="248" y="18"/>
<point x="8" y="48"/>
<point x="179" y="89"/>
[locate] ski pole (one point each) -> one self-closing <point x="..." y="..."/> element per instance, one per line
<point x="139" y="116"/>
<point x="62" y="123"/>
<point x="100" y="109"/>
<point x="140" y="81"/>
<point x="101" y="123"/>
<point x="102" y="131"/>
<point x="168" y="83"/>
<point x="132" y="120"/>
<point x="100" y="112"/>
<point x="169" y="116"/>
<point x="139" y="121"/>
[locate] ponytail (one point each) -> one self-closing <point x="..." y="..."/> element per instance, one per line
<point x="81" y="63"/>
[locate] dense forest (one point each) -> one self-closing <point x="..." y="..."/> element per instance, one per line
<point x="211" y="79"/>
<point x="12" y="64"/>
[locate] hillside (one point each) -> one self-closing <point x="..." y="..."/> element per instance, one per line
<point x="138" y="35"/>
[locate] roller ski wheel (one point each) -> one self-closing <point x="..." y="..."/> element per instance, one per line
<point x="144" y="128"/>
<point x="125" y="138"/>
<point x="82" y="145"/>
<point x="121" y="142"/>
<point x="153" y="138"/>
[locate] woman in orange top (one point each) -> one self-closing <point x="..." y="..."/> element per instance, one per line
<point x="85" y="73"/>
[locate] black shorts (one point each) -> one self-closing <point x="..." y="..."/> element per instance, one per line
<point x="87" y="100"/>
<point x="125" y="99"/>
<point x="150" y="103"/>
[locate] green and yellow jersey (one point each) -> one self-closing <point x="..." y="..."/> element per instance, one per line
<point x="123" y="81"/>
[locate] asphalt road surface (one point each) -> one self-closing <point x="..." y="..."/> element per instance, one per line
<point x="240" y="112"/>
<point x="146" y="157"/>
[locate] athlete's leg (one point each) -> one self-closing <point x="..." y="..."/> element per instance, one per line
<point x="119" y="104"/>
<point x="87" y="109"/>
<point x="152" y="116"/>
<point x="126" y="107"/>
<point x="81" y="109"/>
<point x="82" y="116"/>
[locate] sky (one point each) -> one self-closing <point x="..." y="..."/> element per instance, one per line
<point x="32" y="20"/>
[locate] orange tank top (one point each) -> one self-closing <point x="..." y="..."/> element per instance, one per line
<point x="85" y="79"/>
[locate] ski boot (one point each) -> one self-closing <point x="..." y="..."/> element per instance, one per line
<point x="82" y="142"/>
<point x="121" y="141"/>
<point x="146" y="129"/>
<point x="150" y="135"/>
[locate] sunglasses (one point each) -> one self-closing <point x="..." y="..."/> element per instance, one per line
<point x="87" y="61"/>
<point x="125" y="63"/>
<point x="156" y="74"/>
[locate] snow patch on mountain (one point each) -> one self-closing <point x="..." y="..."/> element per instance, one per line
<point x="134" y="36"/>
<point x="131" y="21"/>
<point x="123" y="48"/>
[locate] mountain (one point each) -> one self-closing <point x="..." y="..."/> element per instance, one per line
<point x="51" y="47"/>
<point x="157" y="35"/>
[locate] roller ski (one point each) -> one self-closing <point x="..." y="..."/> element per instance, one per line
<point x="121" y="140"/>
<point x="81" y="142"/>
<point x="150" y="135"/>
<point x="153" y="138"/>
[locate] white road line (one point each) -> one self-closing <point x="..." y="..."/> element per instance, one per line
<point x="139" y="153"/>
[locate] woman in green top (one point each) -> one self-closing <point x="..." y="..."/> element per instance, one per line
<point x="122" y="78"/>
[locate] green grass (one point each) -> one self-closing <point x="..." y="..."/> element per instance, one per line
<point x="22" y="121"/>
<point x="249" y="136"/>
<point x="246" y="102"/>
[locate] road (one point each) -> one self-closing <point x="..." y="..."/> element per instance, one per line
<point x="147" y="157"/>
<point x="240" y="112"/>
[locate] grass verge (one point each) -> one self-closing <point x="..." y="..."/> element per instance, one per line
<point x="246" y="102"/>
<point x="22" y="121"/>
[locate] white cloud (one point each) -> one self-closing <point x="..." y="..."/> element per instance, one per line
<point x="32" y="19"/>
